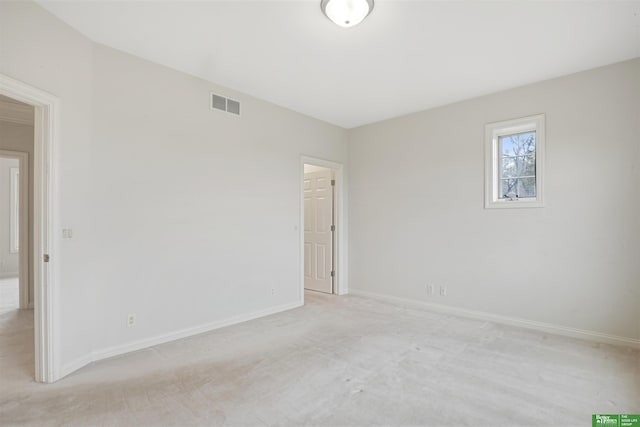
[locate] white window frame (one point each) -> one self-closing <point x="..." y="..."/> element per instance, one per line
<point x="14" y="214"/>
<point x="493" y="132"/>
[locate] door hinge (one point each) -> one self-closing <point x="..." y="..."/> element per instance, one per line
<point x="333" y="182"/>
<point x="46" y="257"/>
<point x="333" y="273"/>
<point x="333" y="228"/>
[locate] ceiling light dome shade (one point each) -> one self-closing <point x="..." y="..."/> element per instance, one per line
<point x="346" y="13"/>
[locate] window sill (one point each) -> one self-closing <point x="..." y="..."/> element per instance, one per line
<point x="514" y="204"/>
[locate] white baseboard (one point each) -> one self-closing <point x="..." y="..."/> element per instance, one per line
<point x="505" y="320"/>
<point x="73" y="366"/>
<point x="171" y="336"/>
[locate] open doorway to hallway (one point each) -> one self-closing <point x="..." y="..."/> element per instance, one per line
<point x="9" y="233"/>
<point x="16" y="195"/>
<point x="16" y="231"/>
<point x="319" y="229"/>
<point x="17" y="101"/>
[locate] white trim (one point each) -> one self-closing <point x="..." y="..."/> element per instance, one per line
<point x="106" y="353"/>
<point x="23" y="223"/>
<point x="492" y="132"/>
<point x="14" y="213"/>
<point x="76" y="364"/>
<point x="24" y="233"/>
<point x="341" y="283"/>
<point x="45" y="188"/>
<point x="505" y="320"/>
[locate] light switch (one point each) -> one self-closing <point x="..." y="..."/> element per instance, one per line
<point x="67" y="233"/>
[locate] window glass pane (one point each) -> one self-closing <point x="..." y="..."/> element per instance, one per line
<point x="506" y="146"/>
<point x="517" y="165"/>
<point x="529" y="165"/>
<point x="518" y="144"/>
<point x="527" y="187"/>
<point x="509" y="167"/>
<point x="513" y="188"/>
<point x="508" y="188"/>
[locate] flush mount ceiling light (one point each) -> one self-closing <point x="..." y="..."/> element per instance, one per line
<point x="346" y="13"/>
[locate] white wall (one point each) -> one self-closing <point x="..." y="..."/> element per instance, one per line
<point x="8" y="259"/>
<point x="181" y="215"/>
<point x="417" y="215"/>
<point x="198" y="209"/>
<point x="40" y="50"/>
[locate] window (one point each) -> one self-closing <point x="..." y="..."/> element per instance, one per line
<point x="514" y="163"/>
<point x="14" y="214"/>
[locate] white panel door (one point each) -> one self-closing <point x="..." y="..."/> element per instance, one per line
<point x="318" y="214"/>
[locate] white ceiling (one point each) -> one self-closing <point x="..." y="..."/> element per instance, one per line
<point x="406" y="56"/>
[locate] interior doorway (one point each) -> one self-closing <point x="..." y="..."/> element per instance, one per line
<point x="322" y="226"/>
<point x="43" y="108"/>
<point x="319" y="228"/>
<point x="15" y="228"/>
<point x="17" y="134"/>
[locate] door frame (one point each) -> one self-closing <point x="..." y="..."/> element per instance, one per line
<point x="340" y="255"/>
<point x="45" y="196"/>
<point x="23" y="223"/>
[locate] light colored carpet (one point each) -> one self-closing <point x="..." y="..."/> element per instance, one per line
<point x="337" y="361"/>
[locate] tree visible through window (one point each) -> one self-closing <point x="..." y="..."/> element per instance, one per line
<point x="514" y="163"/>
<point x="517" y="165"/>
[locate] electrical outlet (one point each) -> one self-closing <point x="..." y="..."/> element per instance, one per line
<point x="430" y="289"/>
<point x="443" y="291"/>
<point x="131" y="320"/>
<point x="273" y="291"/>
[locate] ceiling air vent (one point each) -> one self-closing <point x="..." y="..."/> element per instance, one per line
<point x="225" y="104"/>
